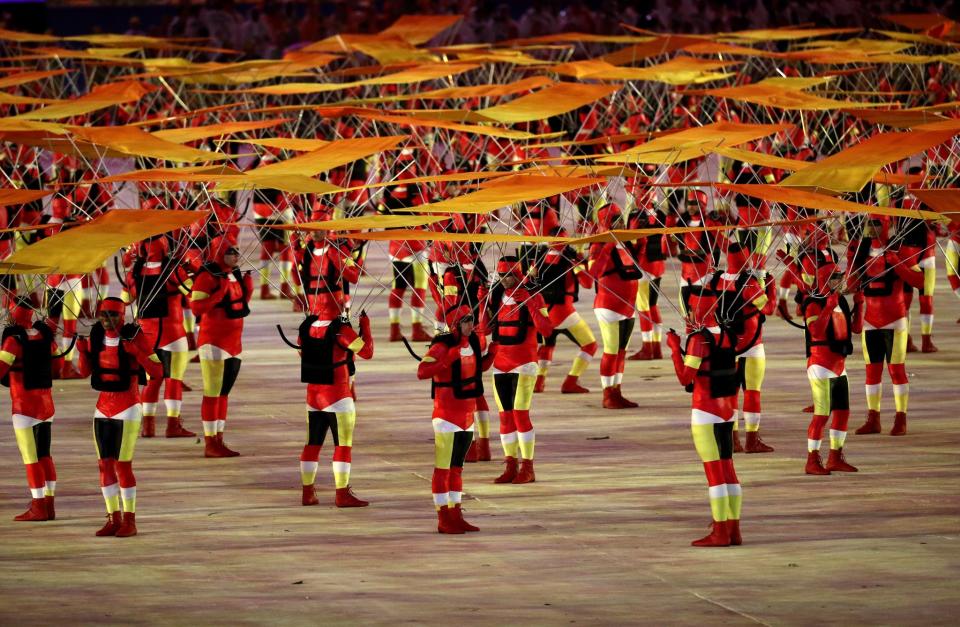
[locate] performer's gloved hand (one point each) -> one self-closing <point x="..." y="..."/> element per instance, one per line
<point x="364" y="324"/>
<point x="673" y="340"/>
<point x="891" y="257"/>
<point x="858" y="298"/>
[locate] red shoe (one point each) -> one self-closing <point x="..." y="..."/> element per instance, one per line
<point x="195" y="359"/>
<point x="457" y="515"/>
<point x="148" y="428"/>
<point x="719" y="536"/>
<point x="899" y="424"/>
<point x="872" y="425"/>
<point x="815" y="464"/>
<point x="285" y="291"/>
<point x="755" y="445"/>
<point x="808" y="409"/>
<point x="128" y="527"/>
<point x="657" y="350"/>
<point x="526" y="474"/>
<point x="266" y="294"/>
<point x="911" y="347"/>
<point x="175" y="428"/>
<point x="540" y="385"/>
<point x="51" y="510"/>
<point x="67" y="371"/>
<point x="223" y="447"/>
<point x="510" y="472"/>
<point x="483" y="450"/>
<point x="35" y="513"/>
<point x="186" y="388"/>
<point x="298" y="306"/>
<point x="471" y="453"/>
<point x="395" y="335"/>
<point x="309" y="496"/>
<point x="782" y="309"/>
<point x="624" y="403"/>
<point x="926" y="344"/>
<point x="211" y="448"/>
<point x="644" y="354"/>
<point x="571" y="385"/>
<point x="112" y="525"/>
<point x="346" y="498"/>
<point x="737" y="446"/>
<point x="733" y="529"/>
<point x="837" y="463"/>
<point x="446" y="523"/>
<point x="417" y="334"/>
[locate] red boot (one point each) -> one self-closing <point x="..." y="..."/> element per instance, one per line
<point x="67" y="371"/>
<point x="719" y="536"/>
<point x="610" y="398"/>
<point x="175" y="428"/>
<point x="309" y="496"/>
<point x="110" y="528"/>
<point x="733" y="529"/>
<point x="526" y="474"/>
<point x="926" y="344"/>
<point x="457" y="515"/>
<point x="657" y="350"/>
<point x="128" y="527"/>
<point x="625" y="404"/>
<point x="285" y="291"/>
<point x="899" y="424"/>
<point x="483" y="450"/>
<point x="51" y="510"/>
<point x="540" y="385"/>
<point x="510" y="472"/>
<point x="571" y="385"/>
<point x="227" y="452"/>
<point x="195" y="359"/>
<point x="808" y="409"/>
<point x="346" y="498"/>
<point x="471" y="453"/>
<point x="872" y="425"/>
<point x="837" y="463"/>
<point x="418" y="334"/>
<point x="298" y="306"/>
<point x="911" y="347"/>
<point x="446" y="523"/>
<point x="186" y="388"/>
<point x="148" y="428"/>
<point x="755" y="445"/>
<point x="644" y="354"/>
<point x="35" y="513"/>
<point x="395" y="335"/>
<point x="211" y="447"/>
<point x="815" y="464"/>
<point x="266" y="294"/>
<point x="737" y="446"/>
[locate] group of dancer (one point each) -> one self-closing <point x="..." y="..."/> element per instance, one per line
<point x="508" y="321"/>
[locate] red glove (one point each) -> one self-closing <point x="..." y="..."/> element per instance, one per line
<point x="673" y="341"/>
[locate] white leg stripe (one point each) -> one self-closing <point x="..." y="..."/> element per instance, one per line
<point x="718" y="491"/>
<point x="526" y="436"/>
<point x="734" y="489"/>
<point x="508" y="438"/>
<point x="341" y="467"/>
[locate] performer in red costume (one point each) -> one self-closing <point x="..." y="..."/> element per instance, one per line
<point x="616" y="272"/>
<point x="514" y="316"/>
<point x="410" y="270"/>
<point x="652" y="252"/>
<point x="221" y="294"/>
<point x="455" y="364"/>
<point x="325" y="265"/>
<point x="327" y="347"/>
<point x="745" y="298"/>
<point x="26" y="358"/>
<point x="884" y="336"/>
<point x="830" y="325"/>
<point x="707" y="367"/>
<point x="158" y="285"/>
<point x="918" y="245"/>
<point x="115" y="356"/>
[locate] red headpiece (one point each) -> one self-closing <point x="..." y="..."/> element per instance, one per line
<point x="509" y="264"/>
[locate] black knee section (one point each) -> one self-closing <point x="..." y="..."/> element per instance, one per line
<point x="626" y="330"/>
<point x="42" y="434"/>
<point x="654" y="292"/>
<point x="551" y="340"/>
<point x="461" y="443"/>
<point x="723" y="432"/>
<point x="506" y="385"/>
<point x="109" y="436"/>
<point x="231" y="368"/>
<point x="318" y="422"/>
<point x="165" y="359"/>
<point x="54" y="303"/>
<point x="402" y="275"/>
<point x="879" y="345"/>
<point x="742" y="372"/>
<point x="839" y="393"/>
